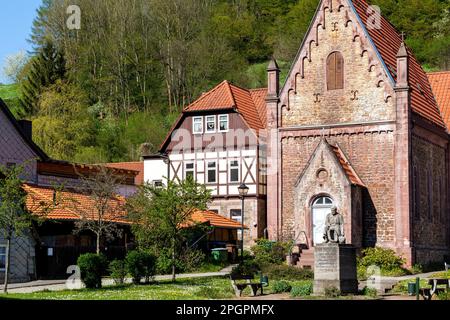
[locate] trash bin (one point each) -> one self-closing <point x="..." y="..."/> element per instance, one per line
<point x="219" y="254"/>
<point x="412" y="288"/>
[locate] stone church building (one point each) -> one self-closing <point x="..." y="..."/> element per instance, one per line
<point x="356" y="125"/>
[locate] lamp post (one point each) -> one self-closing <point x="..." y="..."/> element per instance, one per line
<point x="243" y="190"/>
<point x="166" y="161"/>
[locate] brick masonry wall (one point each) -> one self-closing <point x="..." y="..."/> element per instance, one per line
<point x="364" y="96"/>
<point x="430" y="204"/>
<point x="371" y="155"/>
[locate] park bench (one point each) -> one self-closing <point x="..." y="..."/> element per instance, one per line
<point x="428" y="293"/>
<point x="240" y="282"/>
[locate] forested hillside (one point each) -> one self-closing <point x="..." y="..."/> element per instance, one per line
<point x="96" y="94"/>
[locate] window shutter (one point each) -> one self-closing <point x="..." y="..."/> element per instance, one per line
<point x="339" y="71"/>
<point x="335" y="71"/>
<point x="331" y="71"/>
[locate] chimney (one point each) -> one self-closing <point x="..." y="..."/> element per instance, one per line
<point x="402" y="66"/>
<point x="273" y="79"/>
<point x="27" y="128"/>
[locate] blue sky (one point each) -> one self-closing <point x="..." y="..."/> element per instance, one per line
<point x="16" y="19"/>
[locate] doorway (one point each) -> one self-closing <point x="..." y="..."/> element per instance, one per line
<point x="320" y="209"/>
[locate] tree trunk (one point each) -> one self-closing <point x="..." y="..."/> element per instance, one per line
<point x="98" y="243"/>
<point x="8" y="251"/>
<point x="173" y="261"/>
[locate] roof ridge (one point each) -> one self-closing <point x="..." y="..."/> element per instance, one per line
<point x="206" y="94"/>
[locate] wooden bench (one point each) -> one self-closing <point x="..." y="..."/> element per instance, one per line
<point x="428" y="293"/>
<point x="249" y="282"/>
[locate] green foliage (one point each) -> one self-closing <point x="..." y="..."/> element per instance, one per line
<point x="42" y="70"/>
<point x="285" y="272"/>
<point x="118" y="271"/>
<point x="443" y="295"/>
<point x="270" y="252"/>
<point x="140" y="264"/>
<point x="93" y="267"/>
<point x="162" y="218"/>
<point x="302" y="290"/>
<point x="14" y="218"/>
<point x="9" y="93"/>
<point x="417" y="268"/>
<point x="281" y="286"/>
<point x="247" y="268"/>
<point x="385" y="259"/>
<point x="370" y="292"/>
<point x="332" y="292"/>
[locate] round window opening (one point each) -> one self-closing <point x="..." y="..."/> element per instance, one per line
<point x="322" y="174"/>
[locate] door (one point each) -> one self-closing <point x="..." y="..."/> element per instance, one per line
<point x="320" y="209"/>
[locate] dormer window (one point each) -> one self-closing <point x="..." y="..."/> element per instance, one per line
<point x="335" y="71"/>
<point x="223" y="123"/>
<point x="210" y="124"/>
<point x="197" y="125"/>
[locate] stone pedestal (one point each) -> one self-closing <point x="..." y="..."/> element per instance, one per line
<point x="335" y="266"/>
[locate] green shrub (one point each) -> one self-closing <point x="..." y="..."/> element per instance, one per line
<point x="443" y="295"/>
<point x="370" y="292"/>
<point x="92" y="267"/>
<point x="270" y="252"/>
<point x="140" y="264"/>
<point x="285" y="272"/>
<point x="246" y="268"/>
<point x="385" y="259"/>
<point x="281" y="286"/>
<point x="302" y="290"/>
<point x="417" y="268"/>
<point x="332" y="292"/>
<point x="192" y="259"/>
<point x="118" y="271"/>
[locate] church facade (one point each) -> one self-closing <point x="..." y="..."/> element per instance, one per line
<point x="356" y="126"/>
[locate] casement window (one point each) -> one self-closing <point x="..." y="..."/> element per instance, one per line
<point x="210" y="124"/>
<point x="335" y="71"/>
<point x="197" y="125"/>
<point x="223" y="123"/>
<point x="211" y="172"/>
<point x="2" y="257"/>
<point x="235" y="214"/>
<point x="189" y="170"/>
<point x="234" y="171"/>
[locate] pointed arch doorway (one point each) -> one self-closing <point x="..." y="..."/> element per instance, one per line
<point x="321" y="207"/>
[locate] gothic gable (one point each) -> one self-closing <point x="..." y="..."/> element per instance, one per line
<point x="338" y="75"/>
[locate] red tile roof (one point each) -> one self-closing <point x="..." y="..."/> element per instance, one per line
<point x="249" y="103"/>
<point x="348" y="169"/>
<point x="387" y="40"/>
<point x="440" y="83"/>
<point x="137" y="166"/>
<point x="215" y="220"/>
<point x="70" y="205"/>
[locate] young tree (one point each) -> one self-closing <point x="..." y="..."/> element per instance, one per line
<point x="162" y="214"/>
<point x="14" y="64"/>
<point x="105" y="208"/>
<point x="15" y="211"/>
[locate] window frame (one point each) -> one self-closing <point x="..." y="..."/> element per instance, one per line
<point x="210" y="169"/>
<point x="234" y="168"/>
<point x="240" y="215"/>
<point x="189" y="170"/>
<point x="207" y="121"/>
<point x="227" y="120"/>
<point x="3" y="246"/>
<point x="201" y="124"/>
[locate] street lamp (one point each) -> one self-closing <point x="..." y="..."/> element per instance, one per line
<point x="243" y="190"/>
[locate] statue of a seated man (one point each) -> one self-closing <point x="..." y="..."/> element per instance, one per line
<point x="334" y="227"/>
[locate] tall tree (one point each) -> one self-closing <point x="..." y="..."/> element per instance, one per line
<point x="45" y="68"/>
<point x="162" y="214"/>
<point x="105" y="209"/>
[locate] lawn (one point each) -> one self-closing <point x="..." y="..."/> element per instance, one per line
<point x="183" y="289"/>
<point x="9" y="93"/>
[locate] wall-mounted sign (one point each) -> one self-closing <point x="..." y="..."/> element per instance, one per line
<point x="50" y="252"/>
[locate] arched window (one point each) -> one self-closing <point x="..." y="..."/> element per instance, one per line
<point x="321" y="207"/>
<point x="335" y="71"/>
